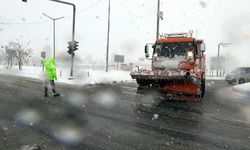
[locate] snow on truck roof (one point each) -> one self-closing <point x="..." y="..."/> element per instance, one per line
<point x="178" y="39"/>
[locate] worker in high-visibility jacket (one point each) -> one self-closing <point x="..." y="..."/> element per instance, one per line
<point x="50" y="76"/>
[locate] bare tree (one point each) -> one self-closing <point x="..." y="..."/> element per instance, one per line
<point x="23" y="52"/>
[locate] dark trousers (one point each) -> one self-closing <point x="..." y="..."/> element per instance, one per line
<point x="47" y="84"/>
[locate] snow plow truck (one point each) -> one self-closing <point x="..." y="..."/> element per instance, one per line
<point x="177" y="67"/>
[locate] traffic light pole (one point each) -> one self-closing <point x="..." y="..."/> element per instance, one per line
<point x="73" y="31"/>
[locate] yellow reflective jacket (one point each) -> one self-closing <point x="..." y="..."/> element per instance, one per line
<point x="50" y="69"/>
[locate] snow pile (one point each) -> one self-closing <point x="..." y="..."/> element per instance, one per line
<point x="32" y="72"/>
<point x="108" y="77"/>
<point x="243" y="89"/>
<point x="81" y="76"/>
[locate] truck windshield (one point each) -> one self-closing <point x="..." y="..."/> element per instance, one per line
<point x="173" y="49"/>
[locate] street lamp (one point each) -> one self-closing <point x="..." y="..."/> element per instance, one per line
<point x="223" y="44"/>
<point x="54" y="32"/>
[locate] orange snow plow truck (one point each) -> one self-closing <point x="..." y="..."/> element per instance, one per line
<point x="178" y="67"/>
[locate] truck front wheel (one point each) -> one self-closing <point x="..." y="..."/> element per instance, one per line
<point x="203" y="87"/>
<point x="142" y="82"/>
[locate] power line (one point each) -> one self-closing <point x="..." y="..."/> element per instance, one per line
<point x="86" y="9"/>
<point x="90" y="7"/>
<point x="22" y="23"/>
<point x="82" y="11"/>
<point x="40" y="22"/>
<point x="139" y="5"/>
<point x="130" y="12"/>
<point x="133" y="3"/>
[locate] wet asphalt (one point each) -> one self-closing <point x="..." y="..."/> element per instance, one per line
<point x="117" y="116"/>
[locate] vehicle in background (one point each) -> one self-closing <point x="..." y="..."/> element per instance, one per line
<point x="238" y="75"/>
<point x="178" y="67"/>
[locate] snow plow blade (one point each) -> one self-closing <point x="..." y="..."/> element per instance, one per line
<point x="185" y="88"/>
<point x="182" y="86"/>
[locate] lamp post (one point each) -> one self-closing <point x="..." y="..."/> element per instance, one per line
<point x="108" y="35"/>
<point x="223" y="44"/>
<point x="54" y="32"/>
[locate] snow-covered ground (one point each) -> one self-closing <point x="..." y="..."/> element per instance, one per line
<point x="81" y="76"/>
<point x="214" y="78"/>
<point x="87" y="76"/>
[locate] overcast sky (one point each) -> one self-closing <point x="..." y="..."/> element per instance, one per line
<point x="133" y="23"/>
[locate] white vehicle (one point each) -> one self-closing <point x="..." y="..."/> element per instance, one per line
<point x="238" y="75"/>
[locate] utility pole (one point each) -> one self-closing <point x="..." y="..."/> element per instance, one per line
<point x="54" y="32"/>
<point x="158" y="20"/>
<point x="218" y="60"/>
<point x="108" y="35"/>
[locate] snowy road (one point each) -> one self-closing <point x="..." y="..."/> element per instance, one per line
<point x="116" y="117"/>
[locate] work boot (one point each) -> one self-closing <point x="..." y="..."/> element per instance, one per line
<point x="55" y="93"/>
<point x="46" y="92"/>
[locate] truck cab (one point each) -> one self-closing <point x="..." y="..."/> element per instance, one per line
<point x="178" y="65"/>
<point x="172" y="50"/>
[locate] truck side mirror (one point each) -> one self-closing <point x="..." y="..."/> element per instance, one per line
<point x="146" y="51"/>
<point x="203" y="47"/>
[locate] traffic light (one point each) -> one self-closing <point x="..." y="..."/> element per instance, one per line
<point x="72" y="46"/>
<point x="76" y="45"/>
